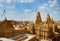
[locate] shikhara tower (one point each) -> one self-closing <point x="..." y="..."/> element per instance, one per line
<point x="38" y="18"/>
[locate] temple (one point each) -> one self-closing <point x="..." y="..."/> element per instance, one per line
<point x="31" y="31"/>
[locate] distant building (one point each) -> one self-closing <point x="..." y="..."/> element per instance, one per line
<point x="7" y="29"/>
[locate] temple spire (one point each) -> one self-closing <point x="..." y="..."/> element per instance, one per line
<point x="52" y="20"/>
<point x="38" y="17"/>
<point x="48" y="19"/>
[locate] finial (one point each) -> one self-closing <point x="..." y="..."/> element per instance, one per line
<point x="36" y="9"/>
<point x="5" y="18"/>
<point x="47" y="12"/>
<point x="52" y="18"/>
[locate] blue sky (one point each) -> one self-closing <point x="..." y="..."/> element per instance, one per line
<point x="25" y="10"/>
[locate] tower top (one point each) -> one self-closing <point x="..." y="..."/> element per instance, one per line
<point x="48" y="19"/>
<point x="38" y="18"/>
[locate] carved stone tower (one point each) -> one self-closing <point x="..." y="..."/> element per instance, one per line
<point x="38" y="18"/>
<point x="48" y="19"/>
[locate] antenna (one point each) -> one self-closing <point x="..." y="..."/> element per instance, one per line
<point x="3" y="15"/>
<point x="47" y="12"/>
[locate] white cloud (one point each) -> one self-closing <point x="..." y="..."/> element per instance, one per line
<point x="27" y="10"/>
<point x="55" y="12"/>
<point x="10" y="7"/>
<point x="25" y="1"/>
<point x="42" y="7"/>
<point x="8" y="1"/>
<point x="52" y="3"/>
<point x="45" y="4"/>
<point x="8" y="4"/>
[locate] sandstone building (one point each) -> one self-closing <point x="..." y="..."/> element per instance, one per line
<point x="44" y="30"/>
<point x="47" y="30"/>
